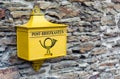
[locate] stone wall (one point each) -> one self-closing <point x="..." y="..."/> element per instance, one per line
<point x="93" y="45"/>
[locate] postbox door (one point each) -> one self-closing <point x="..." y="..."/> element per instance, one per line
<point x="47" y="43"/>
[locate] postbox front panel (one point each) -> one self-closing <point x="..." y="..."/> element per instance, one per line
<point x="47" y="43"/>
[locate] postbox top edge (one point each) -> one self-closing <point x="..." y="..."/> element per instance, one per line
<point x="53" y="26"/>
<point x="39" y="27"/>
<point x="40" y="22"/>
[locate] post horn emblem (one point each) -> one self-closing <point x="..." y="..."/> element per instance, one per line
<point x="53" y="42"/>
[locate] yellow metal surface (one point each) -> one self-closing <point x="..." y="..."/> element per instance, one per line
<point x="39" y="39"/>
<point x="22" y="43"/>
<point x="34" y="44"/>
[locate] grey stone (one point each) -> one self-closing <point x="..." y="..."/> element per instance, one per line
<point x="110" y="35"/>
<point x="83" y="65"/>
<point x="86" y="47"/>
<point x="64" y="64"/>
<point x="51" y="78"/>
<point x="117" y="7"/>
<point x="117" y="76"/>
<point x="108" y="20"/>
<point x="118" y="23"/>
<point x="72" y="38"/>
<point x="98" y="51"/>
<point x="70" y="20"/>
<point x="76" y="33"/>
<point x="2" y="48"/>
<point x="64" y="3"/>
<point x="106" y="76"/>
<point x="89" y="3"/>
<point x="116" y="1"/>
<point x="51" y="13"/>
<point x="18" y="14"/>
<point x="107" y="64"/>
<point x="44" y="4"/>
<point x="118" y="43"/>
<point x="69" y="76"/>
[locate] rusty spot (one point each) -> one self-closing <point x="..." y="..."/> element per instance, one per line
<point x="2" y="13"/>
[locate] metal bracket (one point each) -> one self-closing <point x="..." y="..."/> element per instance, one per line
<point x="37" y="64"/>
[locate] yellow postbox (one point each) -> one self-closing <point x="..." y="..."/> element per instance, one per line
<point x="40" y="39"/>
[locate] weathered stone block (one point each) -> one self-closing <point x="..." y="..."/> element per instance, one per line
<point x="2" y="48"/>
<point x="44" y="4"/>
<point x="98" y="51"/>
<point x="79" y="0"/>
<point x="9" y="73"/>
<point x="117" y="7"/>
<point x="64" y="64"/>
<point x="108" y="20"/>
<point x="110" y="35"/>
<point x="109" y="62"/>
<point x="85" y="38"/>
<point x="86" y="47"/>
<point x="18" y="14"/>
<point x="64" y="11"/>
<point x="8" y="41"/>
<point x="69" y="76"/>
<point x="83" y="65"/>
<point x="116" y="1"/>
<point x="117" y="76"/>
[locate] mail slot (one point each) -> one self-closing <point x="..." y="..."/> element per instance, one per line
<point x="40" y="39"/>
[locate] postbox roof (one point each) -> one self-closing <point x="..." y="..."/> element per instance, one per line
<point x="37" y="20"/>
